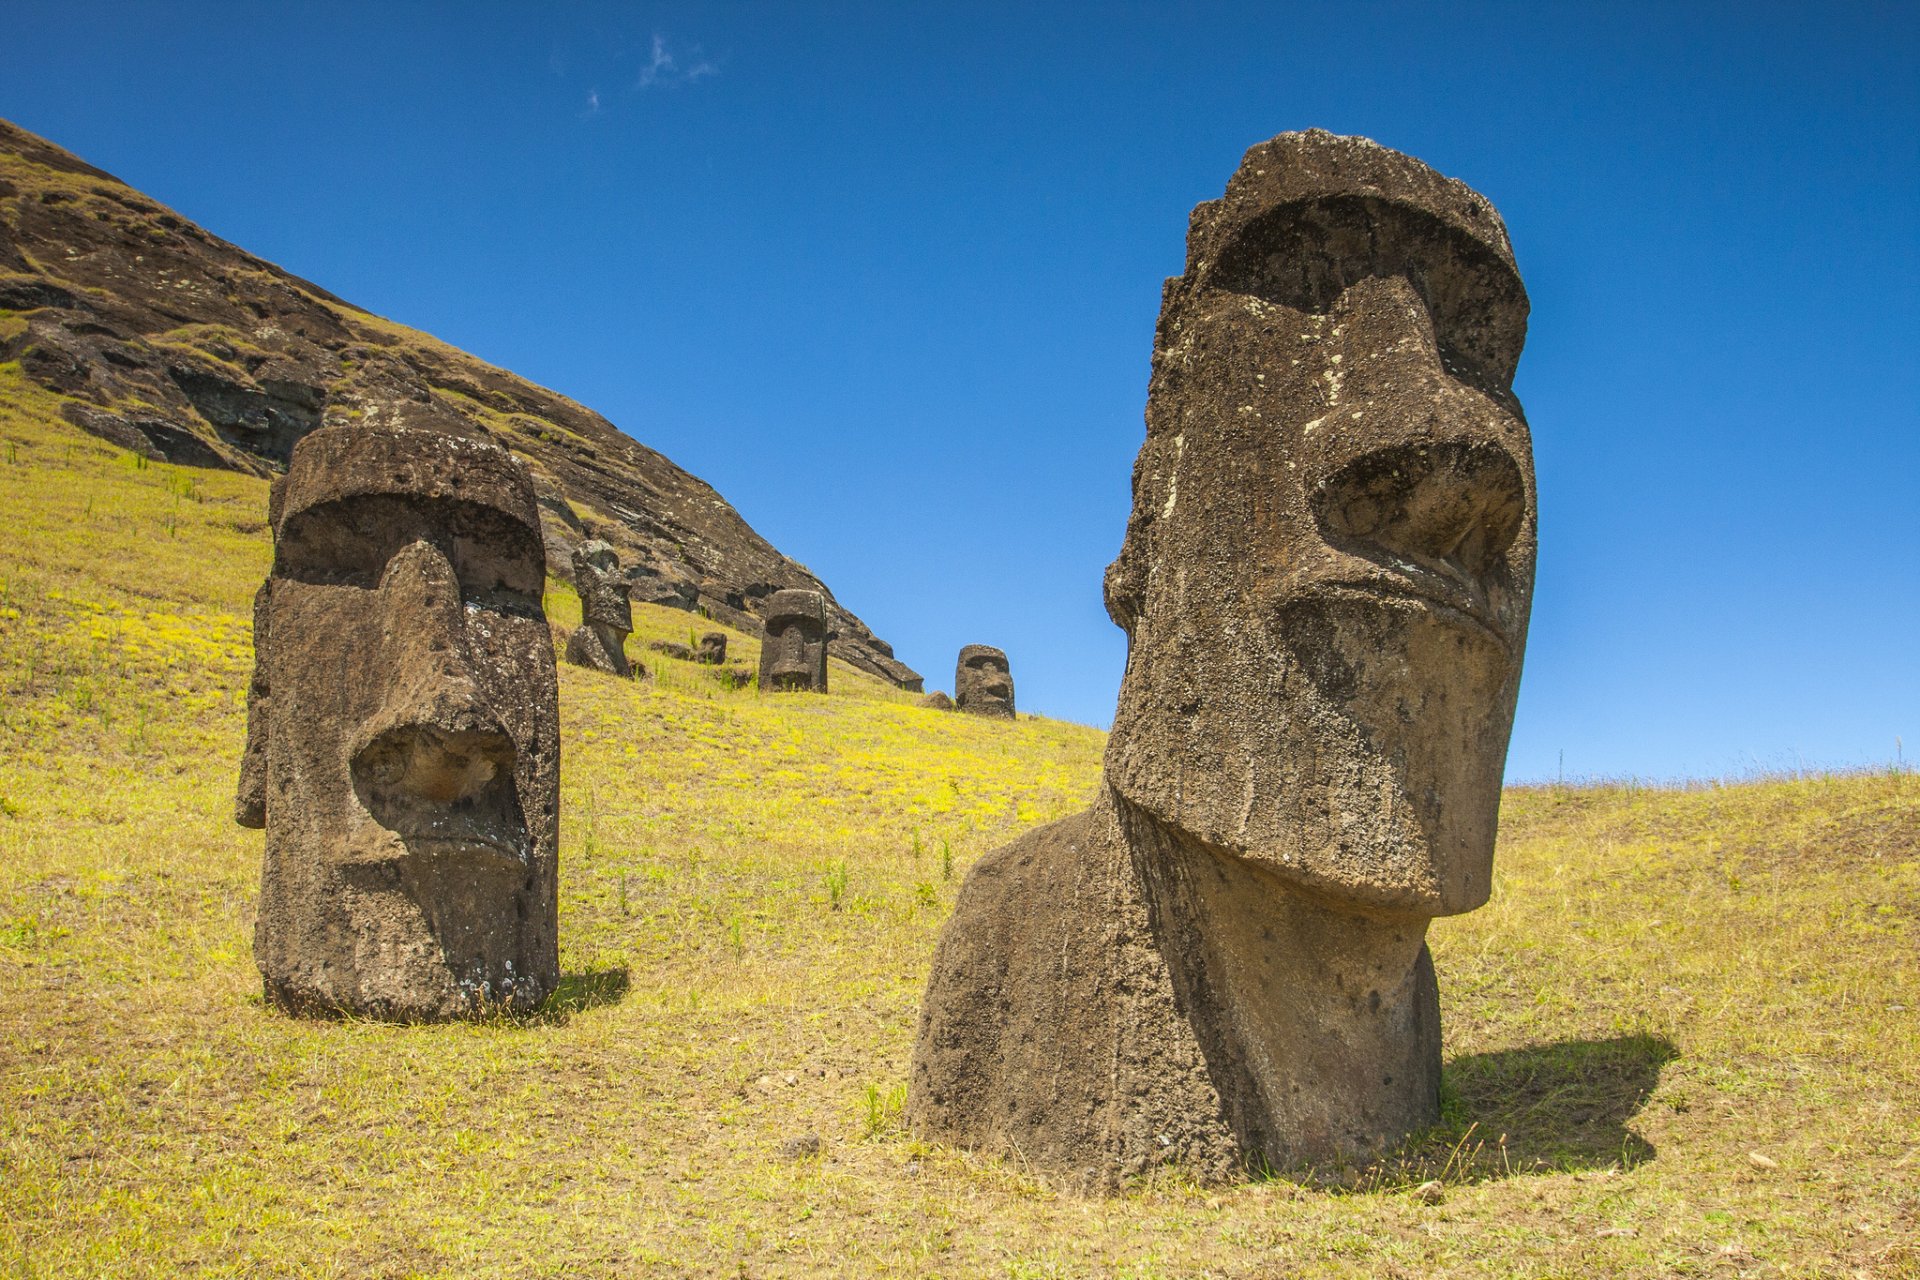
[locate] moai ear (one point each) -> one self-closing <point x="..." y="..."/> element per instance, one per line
<point x="250" y="797"/>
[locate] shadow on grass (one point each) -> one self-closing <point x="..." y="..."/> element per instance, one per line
<point x="1547" y="1108"/>
<point x="579" y="992"/>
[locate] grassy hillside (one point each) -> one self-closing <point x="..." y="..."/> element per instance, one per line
<point x="1684" y="1039"/>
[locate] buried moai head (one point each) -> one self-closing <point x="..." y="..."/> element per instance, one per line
<point x="982" y="682"/>
<point x="1337" y="476"/>
<point x="793" y="651"/>
<point x="606" y="613"/>
<point x="713" y="649"/>
<point x="403" y="738"/>
<point x="602" y="586"/>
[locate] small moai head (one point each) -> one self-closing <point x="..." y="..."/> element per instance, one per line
<point x="403" y="740"/>
<point x="1329" y="562"/>
<point x="602" y="587"/>
<point x="713" y="649"/>
<point x="793" y="652"/>
<point x="982" y="682"/>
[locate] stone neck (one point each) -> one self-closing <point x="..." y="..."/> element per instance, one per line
<point x="1320" y="1022"/>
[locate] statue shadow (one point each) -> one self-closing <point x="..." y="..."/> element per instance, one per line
<point x="1554" y="1108"/>
<point x="580" y="992"/>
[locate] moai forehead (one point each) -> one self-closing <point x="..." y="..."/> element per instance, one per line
<point x="796" y="605"/>
<point x="1329" y="562"/>
<point x="597" y="555"/>
<point x="982" y="656"/>
<point x="341" y="463"/>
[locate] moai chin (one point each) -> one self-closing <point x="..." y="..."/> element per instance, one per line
<point x="793" y="650"/>
<point x="713" y="649"/>
<point x="982" y="682"/>
<point x="1325" y="585"/>
<point x="606" y="613"/>
<point x="403" y="742"/>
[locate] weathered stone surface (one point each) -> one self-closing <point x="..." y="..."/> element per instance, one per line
<point x="179" y="344"/>
<point x="982" y="682"/>
<point x="1325" y="584"/>
<point x="606" y="615"/>
<point x="403" y="743"/>
<point x="936" y="701"/>
<point x="713" y="649"/>
<point x="793" y="651"/>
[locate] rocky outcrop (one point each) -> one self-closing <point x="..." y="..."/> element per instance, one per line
<point x="167" y="340"/>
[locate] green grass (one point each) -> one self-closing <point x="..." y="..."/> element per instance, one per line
<point x="1683" y="1039"/>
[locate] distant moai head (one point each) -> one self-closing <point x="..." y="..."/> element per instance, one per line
<point x="982" y="682"/>
<point x="405" y="726"/>
<point x="1329" y="563"/>
<point x="793" y="652"/>
<point x="602" y="587"/>
<point x="713" y="649"/>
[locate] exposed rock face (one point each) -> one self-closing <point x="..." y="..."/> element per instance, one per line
<point x="1325" y="584"/>
<point x="606" y="614"/>
<point x="983" y="683"/>
<point x="171" y="342"/>
<point x="403" y="744"/>
<point x="793" y="654"/>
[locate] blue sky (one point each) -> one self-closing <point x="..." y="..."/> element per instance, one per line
<point x="886" y="275"/>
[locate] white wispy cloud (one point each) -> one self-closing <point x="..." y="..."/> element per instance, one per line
<point x="666" y="70"/>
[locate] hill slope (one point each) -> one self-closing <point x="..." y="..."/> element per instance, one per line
<point x="169" y="341"/>
<point x="1684" y="1038"/>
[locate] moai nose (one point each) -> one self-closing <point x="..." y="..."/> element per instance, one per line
<point x="434" y="738"/>
<point x="1453" y="506"/>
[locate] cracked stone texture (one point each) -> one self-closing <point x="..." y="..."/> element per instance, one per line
<point x="403" y="744"/>
<point x="1325" y="583"/>
<point x="176" y="344"/>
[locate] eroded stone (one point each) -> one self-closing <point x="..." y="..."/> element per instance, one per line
<point x="606" y="612"/>
<point x="983" y="683"/>
<point x="403" y="743"/>
<point x="1325" y="584"/>
<point x="793" y="651"/>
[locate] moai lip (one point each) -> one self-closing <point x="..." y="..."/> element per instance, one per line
<point x="793" y="650"/>
<point x="403" y="744"/>
<point x="1325" y="584"/>
<point x="606" y="611"/>
<point x="983" y="683"/>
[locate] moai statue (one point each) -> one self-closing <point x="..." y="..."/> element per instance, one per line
<point x="606" y="614"/>
<point x="935" y="701"/>
<point x="713" y="649"/>
<point x="1325" y="585"/>
<point x="982" y="683"/>
<point x="403" y="737"/>
<point x="793" y="652"/>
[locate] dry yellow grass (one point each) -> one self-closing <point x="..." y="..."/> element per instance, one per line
<point x="1684" y="1039"/>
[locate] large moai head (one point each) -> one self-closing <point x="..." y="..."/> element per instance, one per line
<point x="793" y="650"/>
<point x="1328" y="567"/>
<point x="982" y="682"/>
<point x="405" y="732"/>
<point x="603" y="589"/>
